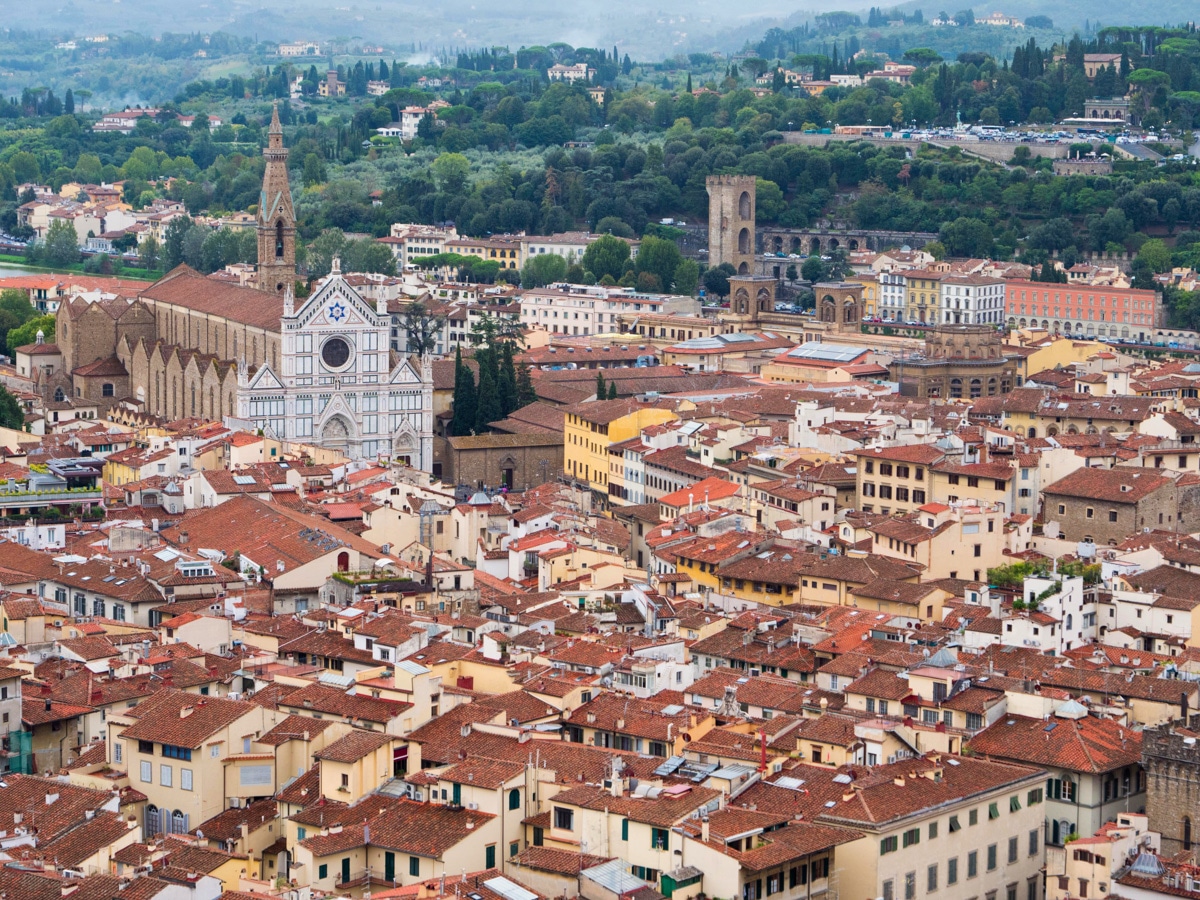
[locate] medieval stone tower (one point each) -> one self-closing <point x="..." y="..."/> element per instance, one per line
<point x="731" y="221"/>
<point x="276" y="217"/>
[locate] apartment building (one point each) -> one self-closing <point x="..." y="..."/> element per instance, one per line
<point x="895" y="479"/>
<point x="1083" y="310"/>
<point x="572" y="309"/>
<point x="189" y="755"/>
<point x="972" y="299"/>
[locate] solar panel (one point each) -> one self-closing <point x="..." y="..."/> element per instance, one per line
<point x="670" y="766"/>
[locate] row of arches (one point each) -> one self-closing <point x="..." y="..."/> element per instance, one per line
<point x="974" y="388"/>
<point x="1077" y="328"/>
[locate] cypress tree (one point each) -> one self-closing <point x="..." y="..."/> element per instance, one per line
<point x="612" y="390"/>
<point x="689" y="83"/>
<point x="525" y="390"/>
<point x="488" y="408"/>
<point x="506" y="384"/>
<point x="464" y="397"/>
<point x="601" y="390"/>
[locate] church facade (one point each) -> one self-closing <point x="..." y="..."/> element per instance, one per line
<point x="320" y="372"/>
<point x="337" y="383"/>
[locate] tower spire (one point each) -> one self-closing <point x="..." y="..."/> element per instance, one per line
<point x="276" y="216"/>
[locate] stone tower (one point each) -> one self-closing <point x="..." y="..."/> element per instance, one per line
<point x="276" y="217"/>
<point x="750" y="296"/>
<point x="731" y="221"/>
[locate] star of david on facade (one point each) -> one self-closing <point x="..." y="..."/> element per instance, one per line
<point x="337" y="312"/>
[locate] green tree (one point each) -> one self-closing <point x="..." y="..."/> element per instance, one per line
<point x="1156" y="255"/>
<point x="506" y="381"/>
<point x="319" y="254"/>
<point x="612" y="390"/>
<point x="11" y="414"/>
<point x="27" y="333"/>
<point x="543" y="269"/>
<point x="314" y="170"/>
<point x="488" y="408"/>
<point x="716" y="280"/>
<point x="60" y="246"/>
<point x="421" y="328"/>
<point x="660" y="258"/>
<point x="463" y="414"/>
<point x="813" y="269"/>
<point x="601" y="387"/>
<point x="366" y="255"/>
<point x="687" y="277"/>
<point x="968" y="237"/>
<point x="148" y="253"/>
<point x="172" y="253"/>
<point x="15" y="311"/>
<point x="526" y="393"/>
<point x="606" y="256"/>
<point x="451" y="171"/>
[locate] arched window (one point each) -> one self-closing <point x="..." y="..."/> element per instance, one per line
<point x="514" y="799"/>
<point x="343" y="561"/>
<point x="279" y="239"/>
<point x="59" y="396"/>
<point x="1068" y="622"/>
<point x="1187" y="832"/>
<point x="744" y="241"/>
<point x="744" y="205"/>
<point x="106" y="389"/>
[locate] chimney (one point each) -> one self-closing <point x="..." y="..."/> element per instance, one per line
<point x="50" y="798"/>
<point x="245" y="829"/>
<point x="183" y="538"/>
<point x="1183" y="706"/>
<point x="186" y="711"/>
<point x="704" y="829"/>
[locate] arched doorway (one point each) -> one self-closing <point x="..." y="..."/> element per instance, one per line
<point x="335" y="434"/>
<point x="744" y="241"/>
<point x="744" y="205"/>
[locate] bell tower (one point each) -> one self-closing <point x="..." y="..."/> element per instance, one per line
<point x="731" y="202"/>
<point x="276" y="217"/>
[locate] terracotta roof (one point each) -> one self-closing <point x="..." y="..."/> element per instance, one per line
<point x="186" y="287"/>
<point x="1117" y="485"/>
<point x="184" y="720"/>
<point x="354" y="746"/>
<point x="1087" y="744"/>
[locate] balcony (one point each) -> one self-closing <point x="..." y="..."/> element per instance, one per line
<point x="24" y="499"/>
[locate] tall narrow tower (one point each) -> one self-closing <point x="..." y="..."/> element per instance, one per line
<point x="276" y="217"/>
<point x="731" y="221"/>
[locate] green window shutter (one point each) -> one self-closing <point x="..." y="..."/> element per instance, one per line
<point x="489" y="856"/>
<point x="624" y="829"/>
<point x="414" y="866"/>
<point x="323" y="870"/>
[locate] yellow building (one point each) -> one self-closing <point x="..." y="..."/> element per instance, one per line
<point x="1054" y="353"/>
<point x="590" y="427"/>
<point x="507" y="251"/>
<point x="870" y="293"/>
<point x="895" y="479"/>
<point x="921" y="295"/>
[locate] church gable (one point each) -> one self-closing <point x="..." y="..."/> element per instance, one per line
<point x="336" y="305"/>
<point x="264" y="380"/>
<point x="404" y="374"/>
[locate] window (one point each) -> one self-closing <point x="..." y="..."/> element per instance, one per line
<point x="1112" y="515"/>
<point x="912" y="836"/>
<point x="414" y="866"/>
<point x="118" y="747"/>
<point x="973" y="817"/>
<point x="564" y="819"/>
<point x="933" y="830"/>
<point x="774" y="883"/>
<point x="972" y="863"/>
<point x="185" y="779"/>
<point x="974" y="721"/>
<point x="931" y="878"/>
<point x="164" y="776"/>
<point x="323" y="871"/>
<point x="1034" y="797"/>
<point x="214" y="751"/>
<point x="514" y="799"/>
<point x="1033" y="842"/>
<point x="889" y="845"/>
<point x="1014" y="803"/>
<point x="624" y="829"/>
<point x="1013" y="848"/>
<point x="489" y="856"/>
<point x="952" y="870"/>
<point x="991" y="857"/>
<point x="147" y="772"/>
<point x="146" y="747"/>
<point x="659" y="838"/>
<point x="173" y="752"/>
<point x="954" y="826"/>
<point x="889" y="890"/>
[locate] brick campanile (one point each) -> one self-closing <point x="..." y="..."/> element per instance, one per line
<point x="276" y="217"/>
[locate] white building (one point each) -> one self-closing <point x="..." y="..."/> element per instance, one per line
<point x="972" y="299"/>
<point x="410" y="242"/>
<point x="337" y="386"/>
<point x="300" y="48"/>
<point x="570" y="245"/>
<point x="577" y="72"/>
<point x="586" y="310"/>
<point x="892" y="290"/>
